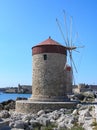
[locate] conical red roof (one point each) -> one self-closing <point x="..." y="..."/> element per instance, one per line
<point x="49" y="41"/>
<point x="49" y="46"/>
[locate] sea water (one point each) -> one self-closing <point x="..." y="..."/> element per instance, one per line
<point x="8" y="96"/>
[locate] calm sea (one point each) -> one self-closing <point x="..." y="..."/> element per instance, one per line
<point x="7" y="96"/>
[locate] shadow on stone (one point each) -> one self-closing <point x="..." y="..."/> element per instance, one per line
<point x="5" y="128"/>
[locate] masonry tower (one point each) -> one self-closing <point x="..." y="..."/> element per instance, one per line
<point x="49" y="59"/>
<point x="49" y="79"/>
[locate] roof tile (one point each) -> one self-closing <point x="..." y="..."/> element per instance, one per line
<point x="49" y="41"/>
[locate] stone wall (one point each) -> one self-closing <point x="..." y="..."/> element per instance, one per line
<point x="48" y="76"/>
<point x="33" y="107"/>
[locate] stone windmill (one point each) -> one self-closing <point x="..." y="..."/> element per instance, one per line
<point x="49" y="58"/>
<point x="48" y="86"/>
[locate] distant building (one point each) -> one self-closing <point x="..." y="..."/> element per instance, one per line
<point x="24" y="88"/>
<point x="11" y="90"/>
<point x="84" y="88"/>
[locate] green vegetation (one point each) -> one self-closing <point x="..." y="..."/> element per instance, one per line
<point x="77" y="128"/>
<point x="51" y="126"/>
<point x="94" y="124"/>
<point x="95" y="128"/>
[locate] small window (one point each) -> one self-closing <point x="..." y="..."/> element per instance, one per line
<point x="45" y="57"/>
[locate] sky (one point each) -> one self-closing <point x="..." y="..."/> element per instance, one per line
<point x="25" y="23"/>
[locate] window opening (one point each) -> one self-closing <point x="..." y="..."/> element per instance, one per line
<point x="45" y="57"/>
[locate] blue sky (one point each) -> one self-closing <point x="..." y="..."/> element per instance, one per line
<point x="25" y="23"/>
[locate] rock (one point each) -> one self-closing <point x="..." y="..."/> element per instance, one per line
<point x="80" y="96"/>
<point x="88" y="125"/>
<point x="1" y="120"/>
<point x="62" y="110"/>
<point x="11" y="124"/>
<point x="75" y="112"/>
<point x="1" y="107"/>
<point x="66" y="121"/>
<point x="81" y="120"/>
<point x="60" y="119"/>
<point x="41" y="112"/>
<point x="72" y="119"/>
<point x="78" y="106"/>
<point x="43" y="120"/>
<point x="52" y="121"/>
<point x="16" y="129"/>
<point x="83" y="107"/>
<point x="54" y="115"/>
<point x="89" y="94"/>
<point x="62" y="125"/>
<point x="7" y="102"/>
<point x="30" y="128"/>
<point x="4" y="124"/>
<point x="87" y="114"/>
<point x="19" y="124"/>
<point x="48" y="111"/>
<point x="69" y="126"/>
<point x="5" y="128"/>
<point x="21" y="98"/>
<point x="27" y="118"/>
<point x="34" y="123"/>
<point x="77" y="97"/>
<point x="14" y="117"/>
<point x="4" y="114"/>
<point x="7" y="105"/>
